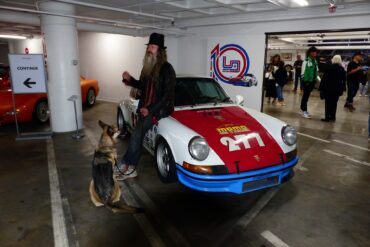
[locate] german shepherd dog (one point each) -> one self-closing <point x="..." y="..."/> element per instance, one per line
<point x="104" y="189"/>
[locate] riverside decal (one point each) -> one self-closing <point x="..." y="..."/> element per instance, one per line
<point x="229" y="64"/>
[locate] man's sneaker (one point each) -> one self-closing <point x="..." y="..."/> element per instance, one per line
<point x="129" y="173"/>
<point x="120" y="168"/>
<point x="306" y="114"/>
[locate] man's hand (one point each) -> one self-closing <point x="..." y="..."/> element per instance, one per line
<point x="126" y="77"/>
<point x="144" y="111"/>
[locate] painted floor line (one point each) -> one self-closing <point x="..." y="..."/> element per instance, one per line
<point x="273" y="239"/>
<point x="257" y="208"/>
<point x="59" y="223"/>
<point x="351" y="145"/>
<point x="347" y="157"/>
<point x="154" y="210"/>
<point x="149" y="231"/>
<point x="313" y="137"/>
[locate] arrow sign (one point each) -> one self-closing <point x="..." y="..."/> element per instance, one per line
<point x="27" y="82"/>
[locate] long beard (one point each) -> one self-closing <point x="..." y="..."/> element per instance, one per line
<point x="149" y="62"/>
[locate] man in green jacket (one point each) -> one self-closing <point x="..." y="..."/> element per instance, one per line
<point x="309" y="74"/>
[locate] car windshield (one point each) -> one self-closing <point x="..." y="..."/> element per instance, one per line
<point x="194" y="91"/>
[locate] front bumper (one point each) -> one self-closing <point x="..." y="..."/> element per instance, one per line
<point x="243" y="182"/>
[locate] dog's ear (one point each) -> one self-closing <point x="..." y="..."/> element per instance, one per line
<point x="102" y="124"/>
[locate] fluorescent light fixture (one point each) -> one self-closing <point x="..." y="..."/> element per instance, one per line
<point x="6" y="36"/>
<point x="301" y="2"/>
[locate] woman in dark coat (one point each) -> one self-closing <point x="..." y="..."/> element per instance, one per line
<point x="332" y="86"/>
<point x="270" y="84"/>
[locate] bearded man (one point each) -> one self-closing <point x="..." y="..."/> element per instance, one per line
<point x="157" y="84"/>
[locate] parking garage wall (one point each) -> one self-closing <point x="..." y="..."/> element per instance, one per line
<point x="194" y="51"/>
<point x="105" y="56"/>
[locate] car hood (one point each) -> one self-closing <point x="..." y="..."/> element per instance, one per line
<point x="238" y="138"/>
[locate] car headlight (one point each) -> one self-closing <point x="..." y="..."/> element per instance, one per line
<point x="198" y="148"/>
<point x="289" y="135"/>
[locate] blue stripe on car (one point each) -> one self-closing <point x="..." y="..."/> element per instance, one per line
<point x="238" y="183"/>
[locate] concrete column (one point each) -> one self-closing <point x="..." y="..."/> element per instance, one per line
<point x="60" y="35"/>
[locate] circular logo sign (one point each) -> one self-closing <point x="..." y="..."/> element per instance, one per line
<point x="229" y="63"/>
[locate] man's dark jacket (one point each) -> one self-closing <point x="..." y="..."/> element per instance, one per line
<point x="164" y="92"/>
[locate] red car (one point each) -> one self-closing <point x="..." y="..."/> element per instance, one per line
<point x="35" y="106"/>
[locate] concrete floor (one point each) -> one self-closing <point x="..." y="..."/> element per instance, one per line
<point x="326" y="204"/>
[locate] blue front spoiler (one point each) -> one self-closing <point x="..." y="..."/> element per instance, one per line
<point x="243" y="182"/>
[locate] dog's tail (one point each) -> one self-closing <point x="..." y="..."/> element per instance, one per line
<point x="124" y="209"/>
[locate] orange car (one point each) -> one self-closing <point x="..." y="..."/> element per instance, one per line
<point x="35" y="106"/>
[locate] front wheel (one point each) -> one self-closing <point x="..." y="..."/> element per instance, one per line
<point x="41" y="111"/>
<point x="166" y="166"/>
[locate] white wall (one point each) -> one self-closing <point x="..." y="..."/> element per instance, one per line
<point x="194" y="53"/>
<point x="18" y="46"/>
<point x="105" y="56"/>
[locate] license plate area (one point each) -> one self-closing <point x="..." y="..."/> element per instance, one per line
<point x="261" y="183"/>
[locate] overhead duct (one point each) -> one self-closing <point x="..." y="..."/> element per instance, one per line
<point x="31" y="19"/>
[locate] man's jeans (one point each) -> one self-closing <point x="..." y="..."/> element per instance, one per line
<point x="132" y="155"/>
<point x="279" y="92"/>
<point x="298" y="78"/>
<point x="351" y="91"/>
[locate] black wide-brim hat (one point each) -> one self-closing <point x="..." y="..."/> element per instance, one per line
<point x="157" y="39"/>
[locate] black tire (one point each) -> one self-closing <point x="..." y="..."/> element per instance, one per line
<point x="90" y="97"/>
<point x="166" y="166"/>
<point x="121" y="124"/>
<point x="41" y="111"/>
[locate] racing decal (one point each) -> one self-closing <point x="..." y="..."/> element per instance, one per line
<point x="232" y="129"/>
<point x="240" y="139"/>
<point x="230" y="64"/>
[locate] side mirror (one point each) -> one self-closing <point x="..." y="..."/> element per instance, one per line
<point x="239" y="100"/>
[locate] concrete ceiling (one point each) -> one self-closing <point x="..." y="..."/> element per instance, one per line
<point x="169" y="16"/>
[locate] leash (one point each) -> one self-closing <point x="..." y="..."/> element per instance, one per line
<point x="119" y="170"/>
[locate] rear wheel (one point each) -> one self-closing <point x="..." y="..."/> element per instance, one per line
<point x="90" y="97"/>
<point x="41" y="111"/>
<point x="166" y="166"/>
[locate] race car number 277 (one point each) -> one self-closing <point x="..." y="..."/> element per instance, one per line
<point x="236" y="143"/>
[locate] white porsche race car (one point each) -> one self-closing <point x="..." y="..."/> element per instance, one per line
<point x="212" y="144"/>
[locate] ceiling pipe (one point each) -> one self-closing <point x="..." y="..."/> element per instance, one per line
<point x="98" y="6"/>
<point x="132" y="26"/>
<point x="79" y="17"/>
<point x="31" y="19"/>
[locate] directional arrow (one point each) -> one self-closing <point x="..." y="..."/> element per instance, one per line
<point x="27" y="82"/>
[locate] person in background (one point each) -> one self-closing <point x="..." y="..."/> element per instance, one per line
<point x="354" y="76"/>
<point x="280" y="79"/>
<point x="364" y="83"/>
<point x="332" y="86"/>
<point x="309" y="73"/>
<point x="297" y="74"/>
<point x="157" y="83"/>
<point x="270" y="84"/>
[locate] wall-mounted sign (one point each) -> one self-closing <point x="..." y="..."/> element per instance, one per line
<point x="28" y="73"/>
<point x="229" y="63"/>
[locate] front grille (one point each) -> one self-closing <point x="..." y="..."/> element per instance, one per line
<point x="259" y="184"/>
